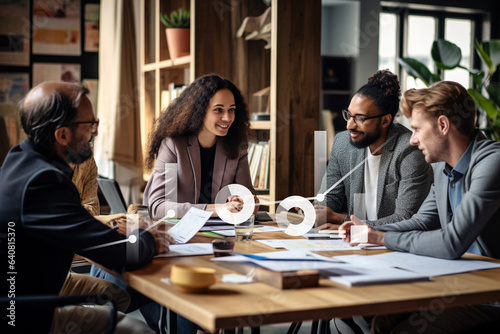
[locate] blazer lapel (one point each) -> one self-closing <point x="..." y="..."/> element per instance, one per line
<point x="387" y="152"/>
<point x="382" y="174"/>
<point x="219" y="168"/>
<point x="441" y="193"/>
<point x="356" y="157"/>
<point x="193" y="151"/>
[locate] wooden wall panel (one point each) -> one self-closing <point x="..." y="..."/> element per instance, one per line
<point x="218" y="50"/>
<point x="297" y="95"/>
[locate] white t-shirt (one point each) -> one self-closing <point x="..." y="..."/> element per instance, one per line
<point x="372" y="166"/>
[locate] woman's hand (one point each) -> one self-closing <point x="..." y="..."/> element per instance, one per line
<point x="256" y="199"/>
<point x="234" y="203"/>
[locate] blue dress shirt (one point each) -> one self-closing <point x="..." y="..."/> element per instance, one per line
<point x="456" y="188"/>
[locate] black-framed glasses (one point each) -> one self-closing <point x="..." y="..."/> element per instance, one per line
<point x="93" y="124"/>
<point x="359" y="120"/>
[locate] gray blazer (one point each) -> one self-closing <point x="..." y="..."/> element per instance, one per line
<point x="434" y="231"/>
<point x="176" y="185"/>
<point x="403" y="182"/>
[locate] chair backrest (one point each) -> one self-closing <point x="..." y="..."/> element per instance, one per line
<point x="33" y="303"/>
<point x="113" y="195"/>
<point x="4" y="140"/>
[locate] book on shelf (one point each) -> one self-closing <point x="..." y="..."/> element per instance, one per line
<point x="264" y="167"/>
<point x="268" y="166"/>
<point x="258" y="161"/>
<point x="170" y="94"/>
<point x="250" y="149"/>
<point x="164" y="99"/>
<point x="255" y="163"/>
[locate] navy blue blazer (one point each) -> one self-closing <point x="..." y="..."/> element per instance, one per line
<point x="43" y="224"/>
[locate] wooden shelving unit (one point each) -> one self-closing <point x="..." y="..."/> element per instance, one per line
<point x="291" y="68"/>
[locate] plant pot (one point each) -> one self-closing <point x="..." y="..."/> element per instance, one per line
<point x="178" y="42"/>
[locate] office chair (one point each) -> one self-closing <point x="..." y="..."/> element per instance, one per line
<point x="31" y="303"/>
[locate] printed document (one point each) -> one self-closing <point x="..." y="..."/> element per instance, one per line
<point x="189" y="225"/>
<point x="424" y="265"/>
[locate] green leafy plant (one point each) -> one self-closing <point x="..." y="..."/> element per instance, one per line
<point x="485" y="93"/>
<point x="177" y="19"/>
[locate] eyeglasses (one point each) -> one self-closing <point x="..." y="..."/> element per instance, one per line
<point x="359" y="120"/>
<point x="93" y="124"/>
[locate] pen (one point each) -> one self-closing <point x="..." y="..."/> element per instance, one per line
<point x="213" y="234"/>
<point x="259" y="257"/>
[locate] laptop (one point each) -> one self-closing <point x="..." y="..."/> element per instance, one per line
<point x="113" y="195"/>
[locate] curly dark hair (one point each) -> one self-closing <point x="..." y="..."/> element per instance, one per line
<point x="185" y="116"/>
<point x="384" y="89"/>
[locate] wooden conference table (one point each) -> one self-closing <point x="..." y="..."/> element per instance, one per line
<point x="256" y="304"/>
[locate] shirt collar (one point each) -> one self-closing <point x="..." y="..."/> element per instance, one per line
<point x="456" y="173"/>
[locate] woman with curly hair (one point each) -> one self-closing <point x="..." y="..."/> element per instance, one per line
<point x="199" y="144"/>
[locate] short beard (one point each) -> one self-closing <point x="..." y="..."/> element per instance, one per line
<point x="369" y="139"/>
<point x="76" y="158"/>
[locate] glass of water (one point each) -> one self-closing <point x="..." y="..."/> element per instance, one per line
<point x="244" y="230"/>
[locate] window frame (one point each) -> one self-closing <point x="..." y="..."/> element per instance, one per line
<point x="402" y="11"/>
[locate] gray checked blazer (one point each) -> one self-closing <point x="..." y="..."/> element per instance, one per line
<point x="404" y="177"/>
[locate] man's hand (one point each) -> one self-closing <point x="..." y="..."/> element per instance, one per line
<point x="374" y="236"/>
<point x="163" y="240"/>
<point x="326" y="215"/>
<point x="120" y="224"/>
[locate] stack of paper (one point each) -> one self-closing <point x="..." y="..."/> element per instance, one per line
<point x="424" y="265"/>
<point x="352" y="275"/>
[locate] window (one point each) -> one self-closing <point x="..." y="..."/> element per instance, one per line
<point x="388" y="42"/>
<point x="408" y="31"/>
<point x="421" y="34"/>
<point x="459" y="31"/>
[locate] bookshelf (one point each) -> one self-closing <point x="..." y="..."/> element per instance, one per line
<point x="290" y="70"/>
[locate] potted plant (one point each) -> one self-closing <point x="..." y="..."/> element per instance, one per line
<point x="484" y="91"/>
<point x="177" y="31"/>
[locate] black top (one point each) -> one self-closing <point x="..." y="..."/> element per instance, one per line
<point x="42" y="219"/>
<point x="207" y="158"/>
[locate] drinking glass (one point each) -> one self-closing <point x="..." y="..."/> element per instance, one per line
<point x="244" y="230"/>
<point x="222" y="247"/>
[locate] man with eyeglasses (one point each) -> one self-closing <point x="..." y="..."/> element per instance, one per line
<point x="373" y="170"/>
<point x="85" y="176"/>
<point x="461" y="213"/>
<point x="42" y="219"/>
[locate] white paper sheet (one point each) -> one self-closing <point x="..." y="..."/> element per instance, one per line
<point x="286" y="261"/>
<point x="321" y="236"/>
<point x="188" y="250"/>
<point x="424" y="265"/>
<point x="352" y="275"/>
<point x="189" y="225"/>
<point x="216" y="228"/>
<point x="273" y="243"/>
<point x="258" y="229"/>
<point x="317" y="245"/>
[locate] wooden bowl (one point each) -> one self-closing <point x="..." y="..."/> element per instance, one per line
<point x="192" y="279"/>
